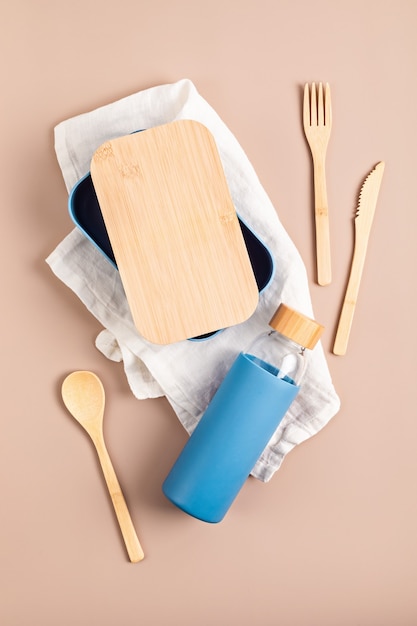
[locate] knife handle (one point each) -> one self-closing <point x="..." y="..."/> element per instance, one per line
<point x="349" y="302"/>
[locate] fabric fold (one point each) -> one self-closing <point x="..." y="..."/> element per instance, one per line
<point x="188" y="372"/>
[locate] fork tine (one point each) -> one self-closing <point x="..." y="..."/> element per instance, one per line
<point x="320" y="108"/>
<point x="328" y="106"/>
<point x="313" y="106"/>
<point x="306" y="106"/>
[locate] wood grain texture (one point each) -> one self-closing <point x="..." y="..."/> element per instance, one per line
<point x="317" y="120"/>
<point x="83" y="395"/>
<point x="363" y="222"/>
<point x="304" y="330"/>
<point x="174" y="232"/>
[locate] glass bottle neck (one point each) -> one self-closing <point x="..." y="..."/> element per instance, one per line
<point x="288" y="362"/>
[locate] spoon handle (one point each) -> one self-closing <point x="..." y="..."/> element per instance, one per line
<point x="134" y="549"/>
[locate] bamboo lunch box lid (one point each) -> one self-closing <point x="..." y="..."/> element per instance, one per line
<point x="174" y="232"/>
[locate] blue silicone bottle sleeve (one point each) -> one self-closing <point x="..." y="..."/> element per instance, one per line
<point x="230" y="437"/>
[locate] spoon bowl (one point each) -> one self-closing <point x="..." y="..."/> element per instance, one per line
<point x="84" y="397"/>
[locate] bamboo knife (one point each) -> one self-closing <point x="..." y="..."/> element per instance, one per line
<point x="363" y="221"/>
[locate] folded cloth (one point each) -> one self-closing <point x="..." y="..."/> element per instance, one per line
<point x="188" y="372"/>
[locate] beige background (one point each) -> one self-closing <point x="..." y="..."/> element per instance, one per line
<point x="331" y="540"/>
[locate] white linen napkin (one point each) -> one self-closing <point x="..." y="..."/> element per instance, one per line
<point x="188" y="372"/>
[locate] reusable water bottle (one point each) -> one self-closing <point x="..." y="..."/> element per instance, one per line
<point x="242" y="417"/>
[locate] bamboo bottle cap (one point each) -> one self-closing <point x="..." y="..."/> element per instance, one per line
<point x="296" y="326"/>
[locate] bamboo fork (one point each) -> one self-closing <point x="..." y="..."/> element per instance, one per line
<point x="317" y="119"/>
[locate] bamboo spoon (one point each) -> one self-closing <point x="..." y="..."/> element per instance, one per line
<point x="83" y="395"/>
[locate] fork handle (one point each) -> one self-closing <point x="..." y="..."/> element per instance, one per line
<point x="321" y="214"/>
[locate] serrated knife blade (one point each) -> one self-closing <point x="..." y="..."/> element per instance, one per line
<point x="363" y="221"/>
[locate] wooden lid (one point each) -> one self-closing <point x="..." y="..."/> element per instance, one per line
<point x="296" y="326"/>
<point x="174" y="232"/>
